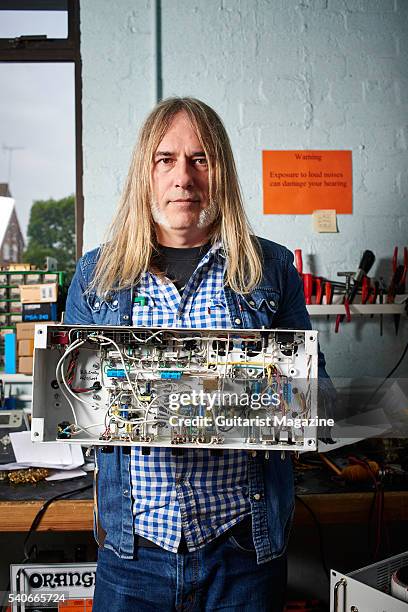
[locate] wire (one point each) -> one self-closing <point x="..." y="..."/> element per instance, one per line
<point x="59" y="364"/>
<point x="400" y="360"/>
<point x="319" y="531"/>
<point x="40" y="515"/>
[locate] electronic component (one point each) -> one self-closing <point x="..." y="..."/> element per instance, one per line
<point x="369" y="588"/>
<point x="224" y="388"/>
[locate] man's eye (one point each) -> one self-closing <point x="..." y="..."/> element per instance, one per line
<point x="200" y="161"/>
<point x="164" y="160"/>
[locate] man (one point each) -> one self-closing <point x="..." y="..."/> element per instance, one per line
<point x="191" y="531"/>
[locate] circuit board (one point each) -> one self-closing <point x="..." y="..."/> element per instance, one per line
<point x="175" y="387"/>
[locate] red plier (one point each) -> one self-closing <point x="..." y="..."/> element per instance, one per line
<point x="365" y="289"/>
<point x="399" y="276"/>
<point x="298" y="261"/>
<point x="400" y="288"/>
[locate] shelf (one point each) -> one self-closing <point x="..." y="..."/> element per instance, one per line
<point x="15" y="378"/>
<point x="356" y="309"/>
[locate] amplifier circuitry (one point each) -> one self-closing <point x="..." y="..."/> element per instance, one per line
<point x="175" y="387"/>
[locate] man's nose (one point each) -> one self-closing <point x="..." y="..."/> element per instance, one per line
<point x="183" y="176"/>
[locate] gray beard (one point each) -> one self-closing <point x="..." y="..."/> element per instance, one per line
<point x="206" y="216"/>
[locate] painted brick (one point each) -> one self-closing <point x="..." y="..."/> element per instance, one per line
<point x="373" y="114"/>
<point x="401" y="138"/>
<point x="384" y="91"/>
<point x="283" y="74"/>
<point x="366" y="6"/>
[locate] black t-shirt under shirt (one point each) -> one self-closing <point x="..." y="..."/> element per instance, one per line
<point x="179" y="264"/>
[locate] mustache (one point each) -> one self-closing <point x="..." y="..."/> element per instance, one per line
<point x="183" y="196"/>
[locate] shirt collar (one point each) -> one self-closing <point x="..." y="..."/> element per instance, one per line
<point x="218" y="248"/>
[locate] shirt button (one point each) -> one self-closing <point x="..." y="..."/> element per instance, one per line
<point x="272" y="302"/>
<point x="97" y="305"/>
<point x="237" y="321"/>
<point x="257" y="496"/>
<point x="125" y="317"/>
<point x="252" y="303"/>
<point x="115" y="303"/>
<point x="126" y="492"/>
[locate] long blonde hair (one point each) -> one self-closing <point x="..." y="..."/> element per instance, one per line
<point x="131" y="239"/>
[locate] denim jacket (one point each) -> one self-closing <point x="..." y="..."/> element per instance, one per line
<point x="277" y="302"/>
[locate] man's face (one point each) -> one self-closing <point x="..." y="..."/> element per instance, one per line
<point x="180" y="180"/>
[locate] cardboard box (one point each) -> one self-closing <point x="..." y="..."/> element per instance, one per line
<point x="39" y="294"/>
<point x="25" y="365"/>
<point x="25" y="331"/>
<point x="39" y="312"/>
<point x="25" y="348"/>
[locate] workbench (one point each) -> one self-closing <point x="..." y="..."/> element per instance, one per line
<point x="19" y="504"/>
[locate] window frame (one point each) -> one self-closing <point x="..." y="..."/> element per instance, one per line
<point x="31" y="49"/>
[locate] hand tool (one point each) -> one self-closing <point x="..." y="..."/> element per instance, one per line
<point x="365" y="289"/>
<point x="398" y="279"/>
<point x="381" y="292"/>
<point x="328" y="292"/>
<point x="346" y="302"/>
<point x="373" y="295"/>
<point x="319" y="290"/>
<point x="298" y="261"/>
<point x="307" y="287"/>
<point x="400" y="286"/>
<point x="364" y="267"/>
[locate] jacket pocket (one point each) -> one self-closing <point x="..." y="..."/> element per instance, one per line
<point x="260" y="306"/>
<point x="262" y="298"/>
<point x="109" y="301"/>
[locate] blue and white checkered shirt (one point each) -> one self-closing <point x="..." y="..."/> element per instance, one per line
<point x="197" y="493"/>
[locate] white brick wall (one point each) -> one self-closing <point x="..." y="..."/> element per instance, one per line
<point x="283" y="74"/>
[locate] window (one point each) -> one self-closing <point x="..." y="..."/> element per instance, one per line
<point x="36" y="40"/>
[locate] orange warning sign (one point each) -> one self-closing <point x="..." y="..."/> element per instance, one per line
<point x="299" y="182"/>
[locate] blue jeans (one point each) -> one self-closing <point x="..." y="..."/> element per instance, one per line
<point x="223" y="575"/>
